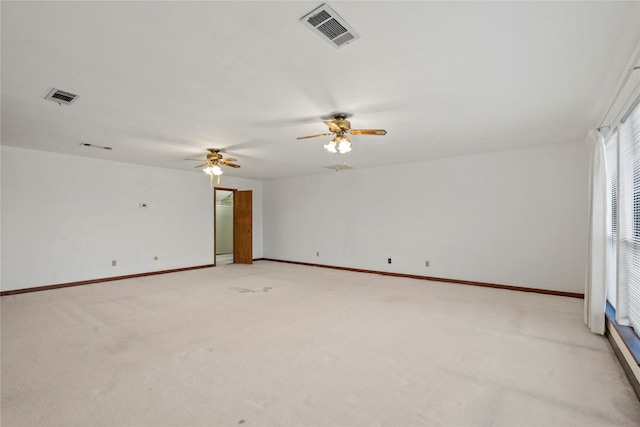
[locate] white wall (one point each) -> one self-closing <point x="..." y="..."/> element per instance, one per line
<point x="515" y="217"/>
<point x="65" y="218"/>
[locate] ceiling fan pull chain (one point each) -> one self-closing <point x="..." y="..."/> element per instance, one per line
<point x="218" y="179"/>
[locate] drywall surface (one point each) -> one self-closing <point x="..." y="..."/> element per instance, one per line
<point x="515" y="217"/>
<point x="66" y="218"/>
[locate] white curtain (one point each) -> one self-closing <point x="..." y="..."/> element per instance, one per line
<point x="596" y="278"/>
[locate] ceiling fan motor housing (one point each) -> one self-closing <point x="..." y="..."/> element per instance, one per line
<point x="340" y="120"/>
<point x="345" y="125"/>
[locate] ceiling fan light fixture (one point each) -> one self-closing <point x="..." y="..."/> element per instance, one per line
<point x="213" y="170"/>
<point x="341" y="128"/>
<point x="344" y="145"/>
<point x="331" y="146"/>
<point x="213" y="162"/>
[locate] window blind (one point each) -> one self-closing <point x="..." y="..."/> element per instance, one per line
<point x="611" y="156"/>
<point x="629" y="221"/>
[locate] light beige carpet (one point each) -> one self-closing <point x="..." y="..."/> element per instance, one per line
<point x="280" y="344"/>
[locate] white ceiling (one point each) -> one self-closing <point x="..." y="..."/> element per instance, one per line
<point x="162" y="81"/>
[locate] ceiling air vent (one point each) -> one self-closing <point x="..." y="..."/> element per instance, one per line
<point x="61" y="97"/>
<point x="325" y="22"/>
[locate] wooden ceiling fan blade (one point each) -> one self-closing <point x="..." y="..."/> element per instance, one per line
<point x="230" y="159"/>
<point x="204" y="164"/>
<point x="368" y="132"/>
<point x="332" y="126"/>
<point x="314" y="136"/>
<point x="230" y="164"/>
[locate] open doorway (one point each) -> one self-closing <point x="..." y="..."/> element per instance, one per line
<point x="233" y="225"/>
<point x="223" y="226"/>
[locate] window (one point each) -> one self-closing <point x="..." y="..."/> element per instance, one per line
<point x="628" y="210"/>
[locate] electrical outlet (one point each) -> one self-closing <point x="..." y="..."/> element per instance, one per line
<point x="388" y="260"/>
<point x="426" y="263"/>
<point x="113" y="263"/>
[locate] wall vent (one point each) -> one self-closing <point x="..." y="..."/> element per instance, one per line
<point x="326" y="23"/>
<point x="61" y="96"/>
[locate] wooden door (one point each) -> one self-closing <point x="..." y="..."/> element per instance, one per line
<point x="242" y="232"/>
